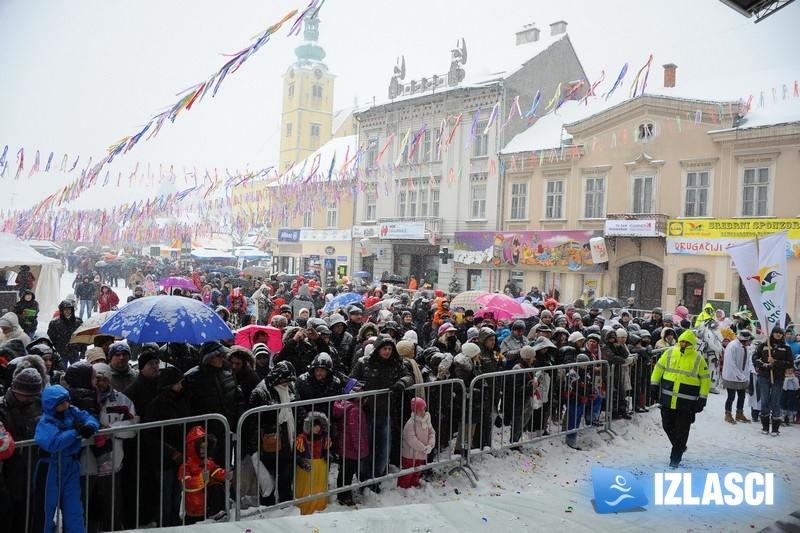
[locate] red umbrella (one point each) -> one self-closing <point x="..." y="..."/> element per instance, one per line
<point x="244" y="337"/>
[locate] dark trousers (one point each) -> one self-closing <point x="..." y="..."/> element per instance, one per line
<point x="676" y="425"/>
<point x="282" y="469"/>
<point x="347" y="468"/>
<point x="739" y="400"/>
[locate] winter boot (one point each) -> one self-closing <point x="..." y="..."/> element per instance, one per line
<point x="776" y="426"/>
<point x="754" y="414"/>
<point x="765" y="425"/>
<point x="786" y="421"/>
<point x="741" y="418"/>
<point x="728" y="418"/>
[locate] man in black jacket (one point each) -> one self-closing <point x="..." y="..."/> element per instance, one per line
<point x="212" y="389"/>
<point x="61" y="329"/>
<point x="380" y="370"/>
<point x="771" y="359"/>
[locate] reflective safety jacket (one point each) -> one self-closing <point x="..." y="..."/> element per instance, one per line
<point x="683" y="377"/>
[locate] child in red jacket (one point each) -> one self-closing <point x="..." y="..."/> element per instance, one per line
<point x="198" y="472"/>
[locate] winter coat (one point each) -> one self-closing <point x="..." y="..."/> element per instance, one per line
<point x="309" y="388"/>
<point x="20" y="421"/>
<point x="510" y="348"/>
<point x="122" y="379"/>
<point x="418" y="433"/>
<point x="60" y="331"/>
<point x="141" y="392"/>
<point x="310" y="446"/>
<point x="107" y="300"/>
<point x="55" y="432"/>
<point x="16" y="331"/>
<point x="167" y="405"/>
<point x="352" y="438"/>
<point x="782" y="355"/>
<point x="378" y="373"/>
<point x="191" y="473"/>
<point x="214" y="390"/>
<point x="300" y="354"/>
<point x="267" y="422"/>
<point x="451" y="345"/>
<point x="27" y="312"/>
<point x="85" y="290"/>
<point x="734" y="371"/>
<point x="116" y="410"/>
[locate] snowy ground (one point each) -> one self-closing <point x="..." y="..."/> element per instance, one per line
<point x="548" y="486"/>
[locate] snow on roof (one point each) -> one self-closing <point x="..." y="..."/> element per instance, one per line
<point x="340" y="117"/>
<point x="319" y="163"/>
<point x="774" y="114"/>
<point x="483" y="68"/>
<point x="548" y="131"/>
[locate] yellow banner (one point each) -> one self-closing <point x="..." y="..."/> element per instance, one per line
<point x="732" y="228"/>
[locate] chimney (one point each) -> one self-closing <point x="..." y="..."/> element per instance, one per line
<point x="529" y="34"/>
<point x="669" y="74"/>
<point x="557" y="28"/>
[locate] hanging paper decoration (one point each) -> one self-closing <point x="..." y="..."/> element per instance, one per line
<point x="472" y="129"/>
<point x="635" y="86"/>
<point x="492" y="117"/>
<point x="618" y="82"/>
<point x="534" y="105"/>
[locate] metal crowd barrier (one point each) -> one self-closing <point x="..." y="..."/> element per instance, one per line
<point x="383" y="417"/>
<point x="135" y="492"/>
<point x="532" y="408"/>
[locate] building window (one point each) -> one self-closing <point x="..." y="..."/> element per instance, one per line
<point x="426" y="146"/>
<point x="288" y="129"/>
<point x="697" y="192"/>
<point x="480" y="143"/>
<point x="595" y="197"/>
<point x="371" y="207"/>
<point x="412" y="204"/>
<point x="519" y="201"/>
<point x="755" y="191"/>
<point x="308" y="219"/>
<point x="646" y="132"/>
<point x="291" y="90"/>
<point x="332" y="218"/>
<point x="478" y="197"/>
<point x="643" y="188"/>
<point x="554" y="200"/>
<point x="423" y="202"/>
<point x="315" y="129"/>
<point x="372" y="154"/>
<point x="316" y="90"/>
<point x="401" y="204"/>
<point x="435" y="202"/>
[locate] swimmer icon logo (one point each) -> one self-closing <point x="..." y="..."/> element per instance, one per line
<point x="616" y="490"/>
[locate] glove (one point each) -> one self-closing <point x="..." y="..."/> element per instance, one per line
<point x="99" y="440"/>
<point x="428" y="449"/>
<point x="397" y="388"/>
<point x="205" y="475"/>
<point x="86" y="431"/>
<point x="304" y="463"/>
<point x="498" y="422"/>
<point x="584" y="399"/>
<point x="700" y="405"/>
<point x="655" y="391"/>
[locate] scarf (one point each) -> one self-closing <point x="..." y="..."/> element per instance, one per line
<point x="417" y="377"/>
<point x="285" y="415"/>
<point x="424" y="421"/>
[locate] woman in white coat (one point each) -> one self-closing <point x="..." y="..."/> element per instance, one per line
<point x="736" y="375"/>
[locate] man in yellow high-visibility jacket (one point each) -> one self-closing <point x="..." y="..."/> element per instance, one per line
<point x="681" y="382"/>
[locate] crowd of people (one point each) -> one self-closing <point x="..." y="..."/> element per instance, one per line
<point x="388" y="343"/>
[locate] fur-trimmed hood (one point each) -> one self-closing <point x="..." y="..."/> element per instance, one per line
<point x="312" y="417"/>
<point x="367" y="330"/>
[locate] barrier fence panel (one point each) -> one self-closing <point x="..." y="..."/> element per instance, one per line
<point x="132" y="476"/>
<point x="510" y="408"/>
<point x="284" y="461"/>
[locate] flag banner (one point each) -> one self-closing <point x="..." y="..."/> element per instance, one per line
<point x="761" y="263"/>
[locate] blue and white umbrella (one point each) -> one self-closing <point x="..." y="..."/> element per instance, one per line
<point x="361" y="274"/>
<point x="341" y="301"/>
<point x="167" y="319"/>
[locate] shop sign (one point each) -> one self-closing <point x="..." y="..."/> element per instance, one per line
<point x="631" y="228"/>
<point x="705" y="236"/>
<point x="403" y="230"/>
<point x="325" y="235"/>
<point x="545" y="250"/>
<point x="330" y="250"/>
<point x="288" y="235"/>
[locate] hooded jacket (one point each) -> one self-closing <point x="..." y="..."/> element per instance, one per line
<point x="55" y="432"/>
<point x="191" y="472"/>
<point x="27" y="312"/>
<point x="378" y="373"/>
<point x="265" y="394"/>
<point x="312" y="446"/>
<point x="61" y="329"/>
<point x="16" y="331"/>
<point x="352" y="437"/>
<point x="683" y="376"/>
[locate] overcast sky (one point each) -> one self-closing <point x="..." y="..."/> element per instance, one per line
<point x="76" y="76"/>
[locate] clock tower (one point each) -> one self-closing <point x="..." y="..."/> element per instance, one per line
<point x="306" y="120"/>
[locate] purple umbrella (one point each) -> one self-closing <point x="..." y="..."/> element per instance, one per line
<point x="179" y="283"/>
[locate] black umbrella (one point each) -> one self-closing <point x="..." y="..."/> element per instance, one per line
<point x="606" y="302"/>
<point x="393" y="278"/>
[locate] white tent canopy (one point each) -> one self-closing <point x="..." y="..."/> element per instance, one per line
<point x="16" y="253"/>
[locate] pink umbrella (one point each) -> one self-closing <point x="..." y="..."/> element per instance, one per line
<point x="497" y="315"/>
<point x="245" y="337"/>
<point x="178" y="282"/>
<point x="498" y="302"/>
